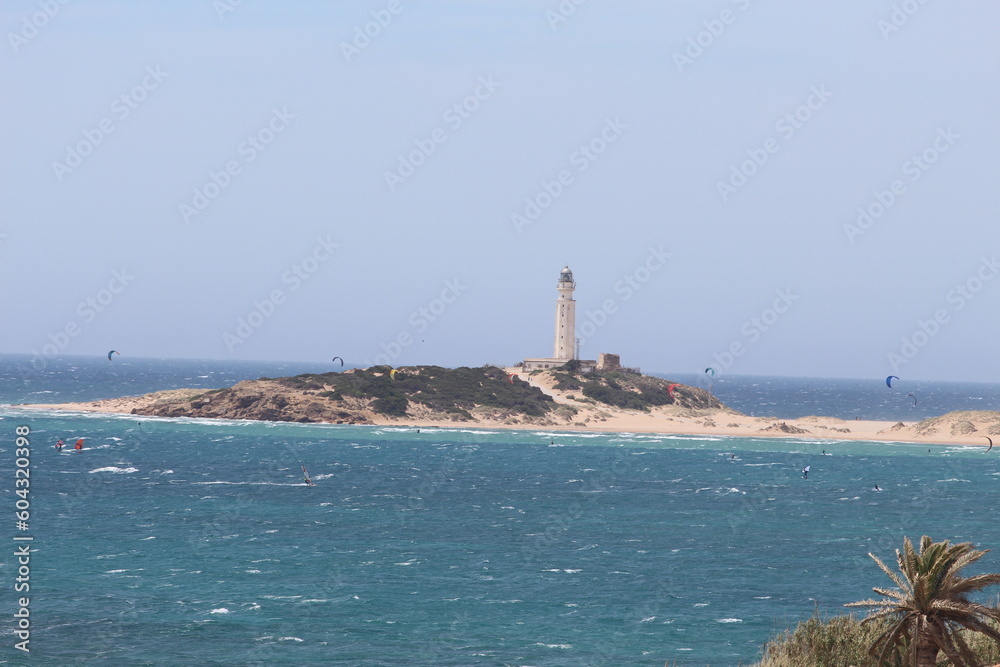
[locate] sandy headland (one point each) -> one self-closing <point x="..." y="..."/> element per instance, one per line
<point x="493" y="398"/>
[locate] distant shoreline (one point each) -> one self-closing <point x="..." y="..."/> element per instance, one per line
<point x="725" y="424"/>
<point x="511" y="399"/>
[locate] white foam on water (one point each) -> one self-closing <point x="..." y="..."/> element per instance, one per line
<point x="116" y="470"/>
<point x="729" y="620"/>
<point x="220" y="610"/>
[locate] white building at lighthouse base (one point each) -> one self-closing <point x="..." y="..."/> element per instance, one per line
<point x="586" y="365"/>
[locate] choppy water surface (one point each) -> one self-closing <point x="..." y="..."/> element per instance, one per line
<point x="179" y="542"/>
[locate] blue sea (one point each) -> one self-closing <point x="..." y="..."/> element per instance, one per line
<point x="194" y="542"/>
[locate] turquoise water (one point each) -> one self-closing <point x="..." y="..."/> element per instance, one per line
<point x="179" y="542"/>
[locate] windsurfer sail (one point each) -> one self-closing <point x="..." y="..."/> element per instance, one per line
<point x="79" y="444"/>
<point x="305" y="477"/>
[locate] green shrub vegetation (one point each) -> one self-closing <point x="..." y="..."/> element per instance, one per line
<point x="631" y="392"/>
<point x="842" y="641"/>
<point x="452" y="390"/>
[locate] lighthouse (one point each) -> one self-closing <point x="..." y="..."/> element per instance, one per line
<point x="565" y="335"/>
<point x="565" y="317"/>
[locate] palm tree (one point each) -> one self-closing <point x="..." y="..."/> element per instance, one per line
<point x="931" y="604"/>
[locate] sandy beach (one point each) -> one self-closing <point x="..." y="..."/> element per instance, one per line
<point x="958" y="428"/>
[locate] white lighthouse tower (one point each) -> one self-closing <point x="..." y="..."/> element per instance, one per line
<point x="565" y="347"/>
<point x="565" y="338"/>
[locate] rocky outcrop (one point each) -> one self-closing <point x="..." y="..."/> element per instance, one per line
<point x="261" y="400"/>
<point x="782" y="427"/>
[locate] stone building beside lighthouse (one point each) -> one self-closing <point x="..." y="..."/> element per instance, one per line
<point x="565" y="333"/>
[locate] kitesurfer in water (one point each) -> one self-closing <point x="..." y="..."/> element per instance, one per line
<point x="876" y="488"/>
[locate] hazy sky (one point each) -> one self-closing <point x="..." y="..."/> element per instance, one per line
<point x="807" y="187"/>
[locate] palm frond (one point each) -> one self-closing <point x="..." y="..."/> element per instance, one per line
<point x="975" y="583"/>
<point x="890" y="593"/>
<point x="871" y="603"/>
<point x="899" y="581"/>
<point x="976" y="625"/>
